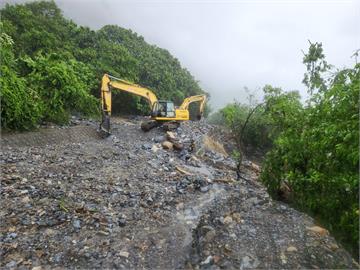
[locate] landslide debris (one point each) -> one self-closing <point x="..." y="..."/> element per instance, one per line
<point x="146" y="200"/>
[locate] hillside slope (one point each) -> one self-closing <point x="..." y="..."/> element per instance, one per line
<point x="44" y="53"/>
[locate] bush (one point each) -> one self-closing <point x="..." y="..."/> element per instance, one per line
<point x="316" y="154"/>
<point x="50" y="89"/>
<point x="19" y="105"/>
<point x="257" y="131"/>
<point x="62" y="86"/>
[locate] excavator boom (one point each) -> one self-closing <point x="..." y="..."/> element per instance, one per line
<point x="109" y="82"/>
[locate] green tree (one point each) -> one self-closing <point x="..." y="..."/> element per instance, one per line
<point x="316" y="66"/>
<point x="315" y="153"/>
<point x="19" y="108"/>
<point x="62" y="86"/>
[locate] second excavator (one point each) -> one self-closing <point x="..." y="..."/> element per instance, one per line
<point x="163" y="112"/>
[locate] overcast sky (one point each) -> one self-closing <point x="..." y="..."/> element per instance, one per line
<point x="227" y="45"/>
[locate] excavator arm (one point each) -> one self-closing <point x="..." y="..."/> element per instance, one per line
<point x="107" y="83"/>
<point x="197" y="98"/>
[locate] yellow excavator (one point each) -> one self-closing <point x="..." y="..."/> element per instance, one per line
<point x="163" y="112"/>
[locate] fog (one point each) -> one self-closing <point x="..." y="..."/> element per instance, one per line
<point x="227" y="45"/>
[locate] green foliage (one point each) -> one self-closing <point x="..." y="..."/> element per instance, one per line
<point x="156" y="68"/>
<point x="37" y="26"/>
<point x="19" y="108"/>
<point x="56" y="64"/>
<point x="62" y="86"/>
<point x="315" y="151"/>
<point x="282" y="109"/>
<point x="257" y="131"/>
<point x="314" y="158"/>
<point x="51" y="89"/>
<point x="315" y="66"/>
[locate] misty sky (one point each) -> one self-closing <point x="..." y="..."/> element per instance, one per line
<point x="227" y="45"/>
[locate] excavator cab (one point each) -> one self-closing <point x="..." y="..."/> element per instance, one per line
<point x="163" y="108"/>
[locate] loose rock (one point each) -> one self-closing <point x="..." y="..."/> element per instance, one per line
<point x="167" y="145"/>
<point x="73" y="200"/>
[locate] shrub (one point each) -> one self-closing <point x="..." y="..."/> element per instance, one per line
<point x="63" y="86"/>
<point x="19" y="105"/>
<point x="316" y="155"/>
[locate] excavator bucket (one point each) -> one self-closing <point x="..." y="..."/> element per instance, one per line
<point x="105" y="125"/>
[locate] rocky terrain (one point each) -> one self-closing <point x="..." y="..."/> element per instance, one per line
<point x="155" y="200"/>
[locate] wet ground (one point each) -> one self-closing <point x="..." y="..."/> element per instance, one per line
<point x="73" y="200"/>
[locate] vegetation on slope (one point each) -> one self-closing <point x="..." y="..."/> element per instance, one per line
<point x="51" y="67"/>
<point x="313" y="150"/>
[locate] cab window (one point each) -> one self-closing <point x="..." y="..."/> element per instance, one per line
<point x="170" y="109"/>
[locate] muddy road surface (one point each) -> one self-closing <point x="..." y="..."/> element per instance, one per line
<point x="70" y="199"/>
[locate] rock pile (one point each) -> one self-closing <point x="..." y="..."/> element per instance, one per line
<point x="146" y="200"/>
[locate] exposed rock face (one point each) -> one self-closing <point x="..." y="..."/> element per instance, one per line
<point x="73" y="200"/>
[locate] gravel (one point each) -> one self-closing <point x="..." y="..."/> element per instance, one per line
<point x="71" y="199"/>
